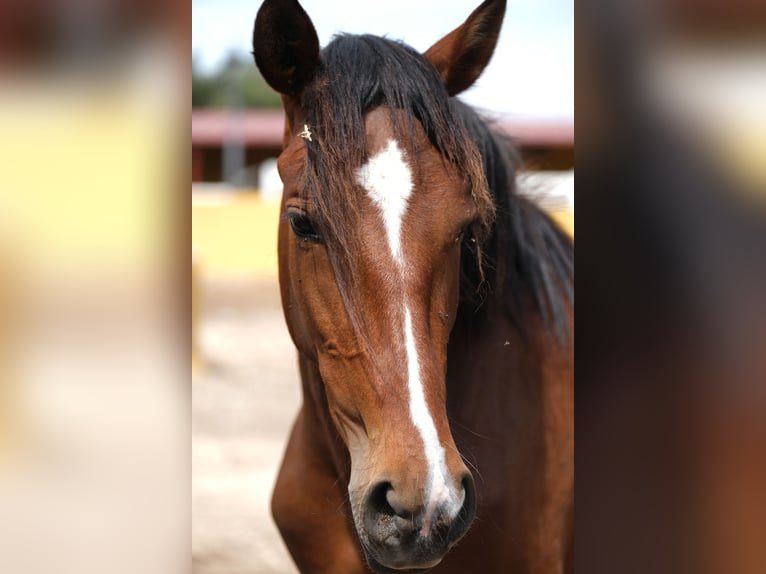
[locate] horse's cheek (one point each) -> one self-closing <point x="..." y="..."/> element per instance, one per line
<point x="316" y="298"/>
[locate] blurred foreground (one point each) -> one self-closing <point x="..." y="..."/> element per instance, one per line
<point x="671" y="284"/>
<point x="93" y="393"/>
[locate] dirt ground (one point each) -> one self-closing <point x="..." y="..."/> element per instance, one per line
<point x="243" y="404"/>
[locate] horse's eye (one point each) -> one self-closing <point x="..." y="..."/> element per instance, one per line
<point x="303" y="227"/>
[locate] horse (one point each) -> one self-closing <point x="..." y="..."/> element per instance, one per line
<point x="431" y="306"/>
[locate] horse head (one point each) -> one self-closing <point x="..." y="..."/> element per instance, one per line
<point x="381" y="188"/>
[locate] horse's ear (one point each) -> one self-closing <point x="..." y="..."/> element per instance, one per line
<point x="285" y="46"/>
<point x="461" y="56"/>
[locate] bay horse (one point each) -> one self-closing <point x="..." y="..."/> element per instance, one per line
<point x="432" y="309"/>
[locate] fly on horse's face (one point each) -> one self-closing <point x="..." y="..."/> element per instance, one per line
<point x="370" y="276"/>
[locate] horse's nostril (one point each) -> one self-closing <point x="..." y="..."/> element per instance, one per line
<point x="378" y="499"/>
<point x="465" y="517"/>
<point x="470" y="492"/>
<point x="384" y="524"/>
<point x="386" y="501"/>
<point x="392" y="514"/>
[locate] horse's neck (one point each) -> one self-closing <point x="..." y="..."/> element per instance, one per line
<point x="495" y="365"/>
<point x="510" y="401"/>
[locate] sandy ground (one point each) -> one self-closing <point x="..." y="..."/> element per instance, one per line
<point x="243" y="404"/>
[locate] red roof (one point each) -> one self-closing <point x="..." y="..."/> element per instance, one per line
<point x="258" y="128"/>
<point x="264" y="128"/>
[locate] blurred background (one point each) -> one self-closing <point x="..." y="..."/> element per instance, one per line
<point x="246" y="389"/>
<point x="93" y="184"/>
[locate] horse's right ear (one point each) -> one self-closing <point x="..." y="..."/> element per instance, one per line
<point x="285" y="46"/>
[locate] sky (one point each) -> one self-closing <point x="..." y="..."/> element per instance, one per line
<point x="531" y="75"/>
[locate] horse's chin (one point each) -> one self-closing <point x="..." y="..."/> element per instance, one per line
<point x="376" y="566"/>
<point x="399" y="560"/>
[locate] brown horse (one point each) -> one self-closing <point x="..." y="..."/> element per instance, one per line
<point x="431" y="307"/>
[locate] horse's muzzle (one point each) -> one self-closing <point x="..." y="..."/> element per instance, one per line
<point x="397" y="538"/>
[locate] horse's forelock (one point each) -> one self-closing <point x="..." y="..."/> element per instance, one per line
<point x="357" y="75"/>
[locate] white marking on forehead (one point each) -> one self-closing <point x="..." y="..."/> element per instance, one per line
<point x="388" y="181"/>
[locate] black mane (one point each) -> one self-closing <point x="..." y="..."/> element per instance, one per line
<point x="527" y="253"/>
<point x="523" y="256"/>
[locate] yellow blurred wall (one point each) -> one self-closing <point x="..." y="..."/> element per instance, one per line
<point x="234" y="234"/>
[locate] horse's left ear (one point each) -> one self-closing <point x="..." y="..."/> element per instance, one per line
<point x="285" y="46"/>
<point x="461" y="56"/>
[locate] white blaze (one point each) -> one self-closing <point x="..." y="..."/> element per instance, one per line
<point x="438" y="492"/>
<point x="388" y="181"/>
